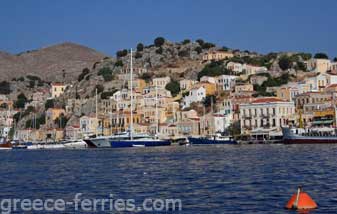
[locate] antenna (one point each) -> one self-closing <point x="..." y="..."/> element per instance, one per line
<point x="131" y="99"/>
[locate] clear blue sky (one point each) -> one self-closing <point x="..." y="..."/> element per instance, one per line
<point x="107" y="25"/>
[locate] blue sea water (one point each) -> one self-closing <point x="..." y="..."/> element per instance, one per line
<point x="207" y="179"/>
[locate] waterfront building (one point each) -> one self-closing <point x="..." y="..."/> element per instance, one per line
<point x="88" y="124"/>
<point x="265" y="114"/>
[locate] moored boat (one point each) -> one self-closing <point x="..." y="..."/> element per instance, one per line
<point x="5" y="145"/>
<point x="208" y="140"/>
<point x="46" y="145"/>
<point x="309" y="136"/>
<point x="76" y="144"/>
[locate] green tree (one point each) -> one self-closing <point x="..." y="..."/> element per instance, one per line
<point x="61" y="121"/>
<point x="118" y="63"/>
<point x="159" y="41"/>
<point x="21" y="101"/>
<point x="214" y="69"/>
<point x="140" y="47"/>
<point x="183" y="53"/>
<point x="235" y="128"/>
<point x="301" y="66"/>
<point x="138" y="55"/>
<point x="159" y="50"/>
<point x="85" y="72"/>
<point x="4" y="106"/>
<point x="335" y="59"/>
<point x="224" y="48"/>
<point x="305" y="56"/>
<point x="173" y="87"/>
<point x="5" y="87"/>
<point x="146" y="76"/>
<point x="107" y="94"/>
<point x="100" y="89"/>
<point x="49" y="104"/>
<point x="198" y="50"/>
<point x="122" y="53"/>
<point x="321" y="56"/>
<point x="186" y="41"/>
<point x="106" y="72"/>
<point x="207" y="45"/>
<point x="209" y="100"/>
<point x="200" y="42"/>
<point x="284" y="63"/>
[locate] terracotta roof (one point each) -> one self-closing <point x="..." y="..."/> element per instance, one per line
<point x="332" y="85"/>
<point x="268" y="100"/>
<point x="57" y="84"/>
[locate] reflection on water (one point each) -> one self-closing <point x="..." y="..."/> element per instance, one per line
<point x="208" y="179"/>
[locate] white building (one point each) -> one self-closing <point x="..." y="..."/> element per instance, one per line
<point x="319" y="82"/>
<point x="266" y="114"/>
<point x="197" y="94"/>
<point x="186" y="84"/>
<point x="318" y="65"/>
<point x="235" y="67"/>
<point x="252" y="69"/>
<point x="225" y="82"/>
<point x="208" y="79"/>
<point x="88" y="125"/>
<point x="161" y="82"/>
<point x="222" y="122"/>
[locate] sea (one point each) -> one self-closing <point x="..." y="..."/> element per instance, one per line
<point x="178" y="179"/>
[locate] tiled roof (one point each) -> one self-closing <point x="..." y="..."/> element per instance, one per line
<point x="268" y="100"/>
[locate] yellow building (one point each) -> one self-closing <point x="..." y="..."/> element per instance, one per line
<point x="161" y="82"/>
<point x="287" y="93"/>
<point x="57" y="89"/>
<point x="210" y="87"/>
<point x="217" y="55"/>
<point x="52" y="114"/>
<point x="318" y="65"/>
<point x="243" y="88"/>
<point x="138" y="84"/>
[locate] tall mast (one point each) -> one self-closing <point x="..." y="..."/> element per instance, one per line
<point x="131" y="87"/>
<point x="96" y="106"/>
<point x="157" y="117"/>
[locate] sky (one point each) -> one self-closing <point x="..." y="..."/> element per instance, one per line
<point x="109" y="25"/>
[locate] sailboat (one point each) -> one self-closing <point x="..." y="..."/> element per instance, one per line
<point x="136" y="140"/>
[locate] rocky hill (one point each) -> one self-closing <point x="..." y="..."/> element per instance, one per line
<point x="53" y="63"/>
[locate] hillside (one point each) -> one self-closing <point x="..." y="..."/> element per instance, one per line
<point x="49" y="63"/>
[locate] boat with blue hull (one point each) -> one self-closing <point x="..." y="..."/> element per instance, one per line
<point x="147" y="142"/>
<point x="211" y="140"/>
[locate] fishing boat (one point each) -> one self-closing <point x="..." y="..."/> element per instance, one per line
<point x="4" y="144"/>
<point x="309" y="136"/>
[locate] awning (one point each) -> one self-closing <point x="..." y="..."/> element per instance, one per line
<point x="322" y="122"/>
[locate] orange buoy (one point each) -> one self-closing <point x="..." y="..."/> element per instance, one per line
<point x="301" y="201"/>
